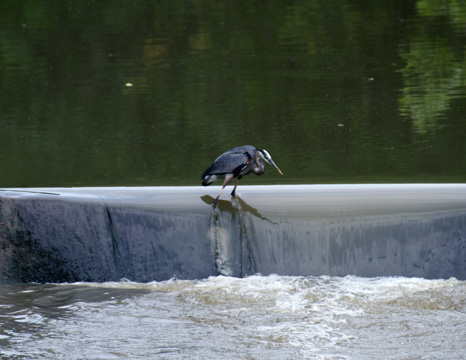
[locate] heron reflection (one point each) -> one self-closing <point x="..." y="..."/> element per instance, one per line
<point x="229" y="206"/>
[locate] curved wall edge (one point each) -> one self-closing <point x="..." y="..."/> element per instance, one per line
<point x="156" y="233"/>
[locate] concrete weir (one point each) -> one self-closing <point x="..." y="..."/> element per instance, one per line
<point x="156" y="233"/>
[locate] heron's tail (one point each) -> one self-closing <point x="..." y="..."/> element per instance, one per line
<point x="208" y="179"/>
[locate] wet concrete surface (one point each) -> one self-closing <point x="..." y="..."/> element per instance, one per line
<point x="156" y="233"/>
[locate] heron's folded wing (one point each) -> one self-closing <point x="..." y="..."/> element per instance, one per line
<point x="229" y="163"/>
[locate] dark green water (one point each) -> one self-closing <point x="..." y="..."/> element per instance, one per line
<point x="336" y="91"/>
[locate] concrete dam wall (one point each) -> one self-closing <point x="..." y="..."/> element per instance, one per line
<point x="156" y="233"/>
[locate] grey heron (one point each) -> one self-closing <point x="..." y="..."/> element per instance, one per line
<point x="236" y="163"/>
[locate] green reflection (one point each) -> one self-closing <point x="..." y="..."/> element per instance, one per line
<point x="434" y="73"/>
<point x="336" y="91"/>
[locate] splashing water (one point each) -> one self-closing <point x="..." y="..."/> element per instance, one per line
<point x="257" y="317"/>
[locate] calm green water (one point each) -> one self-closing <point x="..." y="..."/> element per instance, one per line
<point x="336" y="91"/>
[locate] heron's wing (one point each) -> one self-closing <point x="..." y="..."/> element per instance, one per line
<point x="229" y="163"/>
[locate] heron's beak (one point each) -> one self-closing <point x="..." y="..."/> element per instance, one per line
<point x="275" y="166"/>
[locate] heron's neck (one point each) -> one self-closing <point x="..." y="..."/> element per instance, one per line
<point x="259" y="167"/>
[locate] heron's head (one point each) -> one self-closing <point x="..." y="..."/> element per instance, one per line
<point x="266" y="156"/>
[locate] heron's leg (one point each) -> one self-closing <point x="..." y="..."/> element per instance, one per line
<point x="228" y="178"/>
<point x="233" y="193"/>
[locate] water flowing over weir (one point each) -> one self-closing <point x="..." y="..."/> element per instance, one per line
<point x="156" y="233"/>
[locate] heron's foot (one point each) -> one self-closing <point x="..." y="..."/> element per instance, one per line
<point x="216" y="202"/>
<point x="233" y="193"/>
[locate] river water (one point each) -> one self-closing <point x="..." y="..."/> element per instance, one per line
<point x="149" y="93"/>
<point x="120" y="93"/>
<point x="257" y="317"/>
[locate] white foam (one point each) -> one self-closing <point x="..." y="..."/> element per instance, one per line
<point x="305" y="317"/>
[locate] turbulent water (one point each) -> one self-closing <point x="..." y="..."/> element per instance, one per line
<point x="258" y="317"/>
